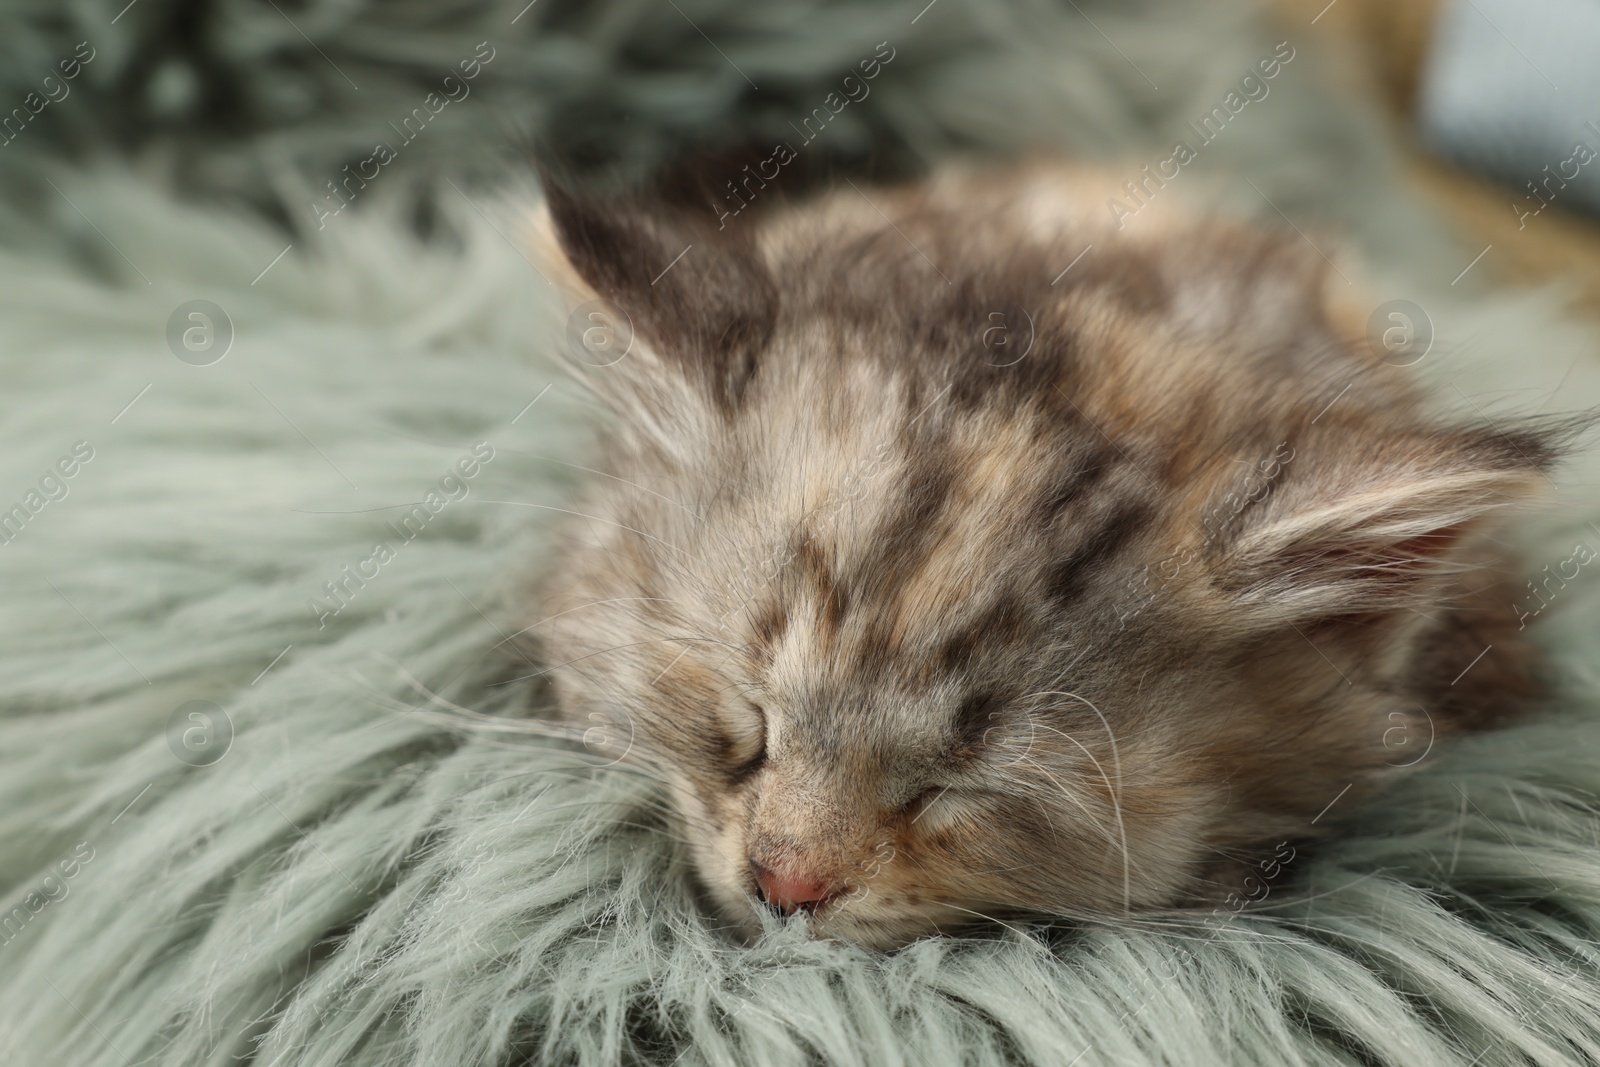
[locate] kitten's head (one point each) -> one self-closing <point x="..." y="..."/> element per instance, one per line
<point x="939" y="583"/>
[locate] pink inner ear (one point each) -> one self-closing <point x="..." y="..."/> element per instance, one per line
<point x="1431" y="546"/>
<point x="1370" y="576"/>
<point x="1406" y="559"/>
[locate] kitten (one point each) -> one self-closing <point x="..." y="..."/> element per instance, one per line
<point x="942" y="580"/>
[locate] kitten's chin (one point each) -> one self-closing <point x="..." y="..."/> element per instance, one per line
<point x="881" y="929"/>
<point x="881" y="935"/>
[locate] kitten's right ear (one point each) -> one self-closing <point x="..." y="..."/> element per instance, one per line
<point x="1361" y="522"/>
<point x="699" y="296"/>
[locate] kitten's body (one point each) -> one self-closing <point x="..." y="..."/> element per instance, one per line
<point x="941" y="581"/>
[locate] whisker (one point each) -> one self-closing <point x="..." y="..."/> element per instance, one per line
<point x="1091" y="818"/>
<point x="986" y="918"/>
<point x="1115" y="790"/>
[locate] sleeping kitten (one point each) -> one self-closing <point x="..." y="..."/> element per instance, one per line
<point x="941" y="579"/>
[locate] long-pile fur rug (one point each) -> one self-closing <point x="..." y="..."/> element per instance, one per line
<point x="235" y="827"/>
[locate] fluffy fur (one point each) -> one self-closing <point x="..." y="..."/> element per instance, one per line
<point x="963" y="553"/>
<point x="354" y="884"/>
<point x="357" y="885"/>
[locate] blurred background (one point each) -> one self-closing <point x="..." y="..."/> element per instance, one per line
<point x="1467" y="110"/>
<point x="261" y="274"/>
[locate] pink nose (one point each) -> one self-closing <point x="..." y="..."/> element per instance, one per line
<point x="788" y="892"/>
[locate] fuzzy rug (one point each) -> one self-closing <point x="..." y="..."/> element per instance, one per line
<point x="236" y="824"/>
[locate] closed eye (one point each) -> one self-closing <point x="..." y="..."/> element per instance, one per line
<point x="924" y="800"/>
<point x="974" y="719"/>
<point x="746" y="743"/>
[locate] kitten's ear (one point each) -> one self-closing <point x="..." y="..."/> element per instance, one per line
<point x="698" y="295"/>
<point x="1360" y="522"/>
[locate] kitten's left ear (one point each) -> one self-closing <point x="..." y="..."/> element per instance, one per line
<point x="700" y="296"/>
<point x="1364" y="522"/>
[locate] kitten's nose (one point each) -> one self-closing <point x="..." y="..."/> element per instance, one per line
<point x="789" y="893"/>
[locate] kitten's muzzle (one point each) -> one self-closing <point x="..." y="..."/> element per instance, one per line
<point x="789" y="893"/>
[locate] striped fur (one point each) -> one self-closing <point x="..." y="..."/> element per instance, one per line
<point x="978" y="587"/>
